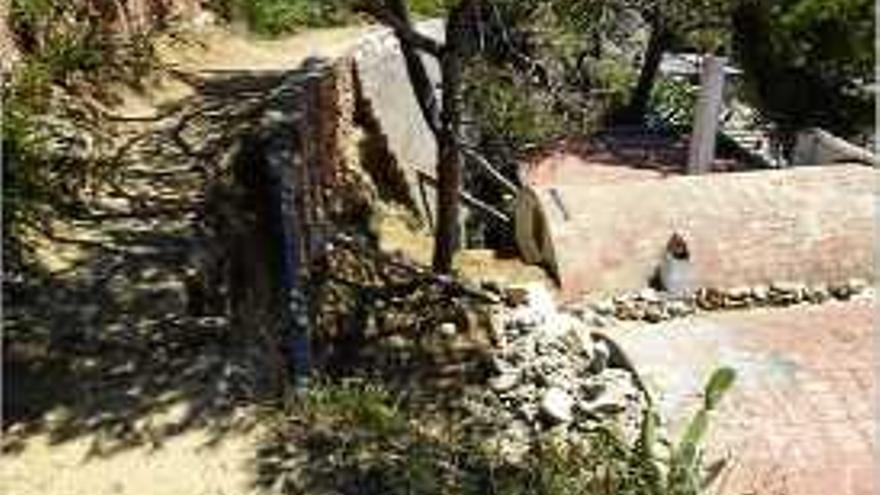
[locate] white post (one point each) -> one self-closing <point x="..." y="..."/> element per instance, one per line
<point x="702" y="148"/>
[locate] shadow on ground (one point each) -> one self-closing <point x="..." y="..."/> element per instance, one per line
<point x="163" y="323"/>
<point x="138" y="339"/>
<point x="662" y="150"/>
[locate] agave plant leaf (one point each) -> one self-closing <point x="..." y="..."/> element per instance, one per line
<point x="713" y="473"/>
<point x="694" y="434"/>
<point x="649" y="433"/>
<point x="720" y="382"/>
<point x="653" y="465"/>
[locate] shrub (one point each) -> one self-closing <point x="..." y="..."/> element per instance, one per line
<point x="49" y="134"/>
<point x="278" y="17"/>
<point x="508" y="109"/>
<point x="674" y="101"/>
<point x="361" y="438"/>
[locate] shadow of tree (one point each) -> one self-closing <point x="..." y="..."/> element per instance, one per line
<point x="165" y="322"/>
<point x="139" y="339"/>
<point x="662" y="150"/>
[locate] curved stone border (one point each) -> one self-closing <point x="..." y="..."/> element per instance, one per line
<point x="654" y="307"/>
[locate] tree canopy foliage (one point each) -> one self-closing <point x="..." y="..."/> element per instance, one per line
<point x="807" y="61"/>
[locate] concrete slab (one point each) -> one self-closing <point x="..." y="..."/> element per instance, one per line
<point x="743" y="228"/>
<point x="800" y="419"/>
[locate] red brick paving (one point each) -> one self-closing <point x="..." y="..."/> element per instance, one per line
<point x="800" y="419"/>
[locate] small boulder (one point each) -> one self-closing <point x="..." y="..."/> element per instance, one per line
<point x="679" y="308"/>
<point x="515" y="296"/>
<point x="604" y="307"/>
<point x="649" y="295"/>
<point x="760" y="293"/>
<point x="601" y="355"/>
<point x="556" y="406"/>
<point x="818" y="293"/>
<point x="504" y="382"/>
<point x="580" y="343"/>
<point x="654" y="313"/>
<point x="841" y="291"/>
<point x="739" y="292"/>
<point x="448" y="329"/>
<point x="857" y="285"/>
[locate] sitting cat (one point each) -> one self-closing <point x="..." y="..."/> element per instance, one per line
<point x="675" y="273"/>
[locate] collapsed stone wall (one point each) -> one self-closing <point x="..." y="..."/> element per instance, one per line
<point x="368" y="131"/>
<point x="333" y="134"/>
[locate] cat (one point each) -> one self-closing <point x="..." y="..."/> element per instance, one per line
<point x="675" y="273"/>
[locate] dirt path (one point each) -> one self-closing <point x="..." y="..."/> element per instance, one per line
<point x="183" y="465"/>
<point x="110" y="385"/>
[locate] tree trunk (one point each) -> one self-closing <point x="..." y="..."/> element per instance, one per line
<point x="657" y="44"/>
<point x="449" y="163"/>
<point x="449" y="156"/>
<point x="445" y="122"/>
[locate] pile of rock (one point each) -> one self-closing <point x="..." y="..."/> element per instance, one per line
<point x="653" y="306"/>
<point x="553" y="372"/>
<point x="550" y="373"/>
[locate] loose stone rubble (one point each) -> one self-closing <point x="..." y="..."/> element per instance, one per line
<point x="551" y="374"/>
<point x="554" y="373"/>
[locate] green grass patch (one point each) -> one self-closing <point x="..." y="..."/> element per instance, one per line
<point x="274" y="18"/>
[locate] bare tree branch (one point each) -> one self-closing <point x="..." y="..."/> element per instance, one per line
<point x="402" y="28"/>
<point x="472" y="153"/>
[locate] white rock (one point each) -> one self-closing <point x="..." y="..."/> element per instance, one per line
<point x="857" y="284"/>
<point x="676" y="276"/>
<point x="655" y="313"/>
<point x="504" y="382"/>
<point x="739" y="292"/>
<point x="514" y="444"/>
<point x="604" y="307"/>
<point x="556" y="405"/>
<point x="560" y="325"/>
<point x="540" y="298"/>
<point x="601" y="354"/>
<point x="760" y="292"/>
<point x="204" y="19"/>
<point x="448" y="329"/>
<point x="818" y="293"/>
<point x="866" y="295"/>
<point x="619" y="392"/>
<point x="500" y="365"/>
<point x="396" y="342"/>
<point x="649" y="295"/>
<point x="678" y="308"/>
<point x="793" y="288"/>
<point x="526" y="318"/>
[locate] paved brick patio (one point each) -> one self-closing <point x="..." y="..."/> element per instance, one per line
<point x="800" y="419"/>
